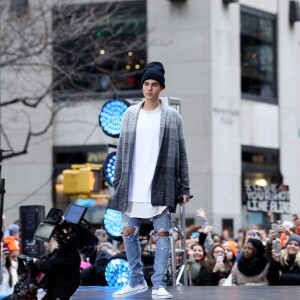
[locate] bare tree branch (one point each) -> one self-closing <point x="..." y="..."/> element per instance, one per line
<point x="64" y="51"/>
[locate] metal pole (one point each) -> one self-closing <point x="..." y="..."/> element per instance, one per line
<point x="2" y="191"/>
<point x="173" y="254"/>
<point x="183" y="243"/>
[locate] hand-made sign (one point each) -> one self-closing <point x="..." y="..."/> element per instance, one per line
<point x="274" y="198"/>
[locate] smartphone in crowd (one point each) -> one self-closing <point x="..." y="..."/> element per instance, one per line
<point x="295" y="219"/>
<point x="195" y="235"/>
<point x="276" y="246"/>
<point x="253" y="234"/>
<point x="274" y="227"/>
<point x="5" y="249"/>
<point x="219" y="258"/>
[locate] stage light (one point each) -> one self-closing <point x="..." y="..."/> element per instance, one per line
<point x="112" y="222"/>
<point x="110" y="118"/>
<point x="109" y="168"/>
<point x="117" y="272"/>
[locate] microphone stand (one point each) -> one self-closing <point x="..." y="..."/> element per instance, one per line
<point x="2" y="191"/>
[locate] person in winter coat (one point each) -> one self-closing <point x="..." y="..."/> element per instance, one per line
<point x="61" y="266"/>
<point x="10" y="268"/>
<point x="252" y="267"/>
<point x="285" y="266"/>
<point x="218" y="265"/>
<point x="197" y="267"/>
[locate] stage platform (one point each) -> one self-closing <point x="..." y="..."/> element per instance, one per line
<point x="197" y="293"/>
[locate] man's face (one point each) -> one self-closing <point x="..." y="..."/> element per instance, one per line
<point x="151" y="89"/>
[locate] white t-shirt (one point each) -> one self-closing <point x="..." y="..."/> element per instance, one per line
<point x="144" y="161"/>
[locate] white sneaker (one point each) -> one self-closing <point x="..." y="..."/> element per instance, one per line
<point x="161" y="293"/>
<point x="128" y="290"/>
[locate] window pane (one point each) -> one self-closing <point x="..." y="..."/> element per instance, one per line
<point x="99" y="47"/>
<point x="258" y="55"/>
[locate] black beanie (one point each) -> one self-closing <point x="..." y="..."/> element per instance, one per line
<point x="258" y="245"/>
<point x="154" y="70"/>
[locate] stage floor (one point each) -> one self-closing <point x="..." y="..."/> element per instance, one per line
<point x="197" y="293"/>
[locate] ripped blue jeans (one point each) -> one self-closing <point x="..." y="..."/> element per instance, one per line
<point x="161" y="223"/>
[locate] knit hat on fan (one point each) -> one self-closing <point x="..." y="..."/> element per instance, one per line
<point x="295" y="238"/>
<point x="13" y="228"/>
<point x="154" y="70"/>
<point x="232" y="245"/>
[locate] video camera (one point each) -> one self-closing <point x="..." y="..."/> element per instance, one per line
<point x="65" y="227"/>
<point x="69" y="230"/>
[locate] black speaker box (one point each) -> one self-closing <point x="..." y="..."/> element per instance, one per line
<point x="30" y="218"/>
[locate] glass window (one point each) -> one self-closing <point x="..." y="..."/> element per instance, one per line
<point x="258" y="55"/>
<point x="99" y="47"/>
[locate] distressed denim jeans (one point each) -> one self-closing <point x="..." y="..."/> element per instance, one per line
<point x="161" y="223"/>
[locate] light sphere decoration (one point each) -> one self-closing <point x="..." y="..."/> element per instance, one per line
<point x="113" y="225"/>
<point x="109" y="168"/>
<point x="117" y="272"/>
<point x="110" y="118"/>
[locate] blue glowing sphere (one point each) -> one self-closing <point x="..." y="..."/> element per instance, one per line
<point x="109" y="168"/>
<point x="117" y="272"/>
<point x="110" y="118"/>
<point x="112" y="222"/>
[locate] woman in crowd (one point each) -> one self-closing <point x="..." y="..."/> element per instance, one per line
<point x="197" y="269"/>
<point x="252" y="267"/>
<point x="218" y="265"/>
<point x="231" y="251"/>
<point x="285" y="266"/>
<point x="10" y="271"/>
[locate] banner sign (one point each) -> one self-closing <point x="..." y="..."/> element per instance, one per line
<point x="274" y="198"/>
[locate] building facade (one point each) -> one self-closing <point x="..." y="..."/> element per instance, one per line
<point x="235" y="68"/>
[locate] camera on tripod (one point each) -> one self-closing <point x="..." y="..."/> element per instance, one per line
<point x="70" y="230"/>
<point x="60" y="225"/>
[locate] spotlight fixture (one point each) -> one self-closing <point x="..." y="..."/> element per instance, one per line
<point x="117" y="272"/>
<point x="111" y="115"/>
<point x="109" y="168"/>
<point x="113" y="225"/>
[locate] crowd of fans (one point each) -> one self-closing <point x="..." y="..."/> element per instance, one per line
<point x="256" y="256"/>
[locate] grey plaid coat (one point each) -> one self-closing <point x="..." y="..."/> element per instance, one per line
<point x="171" y="176"/>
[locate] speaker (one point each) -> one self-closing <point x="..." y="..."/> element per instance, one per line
<point x="30" y="218"/>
